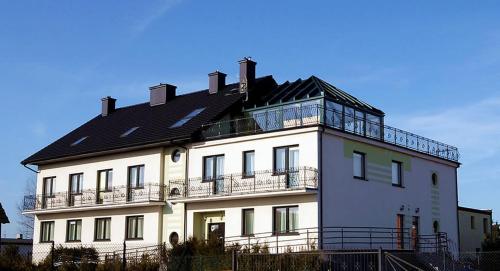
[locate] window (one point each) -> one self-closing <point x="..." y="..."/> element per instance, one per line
<point x="286" y="159"/>
<point x="348" y="119"/>
<point x="75" y="183"/>
<point x="434" y="179"/>
<point x="102" y="229"/>
<point x="173" y="239"/>
<point x="213" y="167"/>
<point x="286" y="219"/>
<point x="136" y="176"/>
<point x="213" y="171"/>
<point x="129" y="131"/>
<point x="79" y="141"/>
<point x="48" y="190"/>
<point x="74" y="231"/>
<point x="472" y="222"/>
<point x="48" y="186"/>
<point x="187" y="118"/>
<point x="397" y="173"/>
<point x="47" y="231"/>
<point x="435" y="226"/>
<point x="248" y="163"/>
<point x="358" y="161"/>
<point x="247" y="225"/>
<point x="135" y="227"/>
<point x="105" y="180"/>
<point x="176" y="156"/>
<point x="485" y="226"/>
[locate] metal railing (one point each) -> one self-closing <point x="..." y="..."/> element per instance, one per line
<point x="93" y="197"/>
<point x="238" y="184"/>
<point x="311" y="115"/>
<point x="340" y="238"/>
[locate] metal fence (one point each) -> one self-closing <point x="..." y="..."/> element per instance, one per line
<point x="237" y="184"/>
<point x="94" y="197"/>
<point x="158" y="257"/>
<point x="310" y="115"/>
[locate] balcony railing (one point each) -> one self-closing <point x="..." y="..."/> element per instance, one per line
<point x="237" y="184"/>
<point x="150" y="192"/>
<point x="310" y="115"/>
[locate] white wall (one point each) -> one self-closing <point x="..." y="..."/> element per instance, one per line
<point x="263" y="145"/>
<point x="150" y="158"/>
<point x="375" y="203"/>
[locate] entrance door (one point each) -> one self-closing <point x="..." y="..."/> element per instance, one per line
<point x="216" y="231"/>
<point x="415" y="232"/>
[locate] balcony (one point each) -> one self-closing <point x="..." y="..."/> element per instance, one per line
<point x="347" y="121"/>
<point x="117" y="195"/>
<point x="303" y="179"/>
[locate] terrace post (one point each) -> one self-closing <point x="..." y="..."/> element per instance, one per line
<point x="124" y="258"/>
<point x="231" y="184"/>
<point x="379" y="256"/>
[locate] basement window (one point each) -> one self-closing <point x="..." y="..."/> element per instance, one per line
<point x="129" y="131"/>
<point x="79" y="141"/>
<point x="187" y="118"/>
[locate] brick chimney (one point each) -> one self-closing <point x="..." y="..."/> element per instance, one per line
<point x="161" y="94"/>
<point x="108" y="106"/>
<point x="247" y="73"/>
<point x="216" y="82"/>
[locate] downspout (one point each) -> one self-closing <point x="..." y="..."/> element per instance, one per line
<point x="162" y="184"/>
<point x="185" y="179"/>
<point x="458" y="223"/>
<point x="320" y="187"/>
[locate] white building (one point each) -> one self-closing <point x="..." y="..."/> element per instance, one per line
<point x="475" y="228"/>
<point x="250" y="161"/>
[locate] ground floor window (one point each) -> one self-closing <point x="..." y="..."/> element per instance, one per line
<point x="102" y="229"/>
<point x="135" y="227"/>
<point x="248" y="220"/>
<point x="286" y="219"/>
<point x="47" y="231"/>
<point x="74" y="231"/>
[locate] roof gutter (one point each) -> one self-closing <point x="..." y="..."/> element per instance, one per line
<point x="26" y="166"/>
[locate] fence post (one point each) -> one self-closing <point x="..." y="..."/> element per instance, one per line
<point x="234" y="260"/>
<point x="379" y="255"/>
<point x="124" y="258"/>
<point x="52" y="255"/>
<point x="307" y="239"/>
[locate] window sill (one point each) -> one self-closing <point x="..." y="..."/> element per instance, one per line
<point x="73" y="241"/>
<point x="244" y="176"/>
<point x="248" y="235"/>
<point x="134" y="239"/>
<point x="286" y="234"/>
<point x="46" y="242"/>
<point x="360" y="178"/>
<point x="398" y="185"/>
<point x="102" y="240"/>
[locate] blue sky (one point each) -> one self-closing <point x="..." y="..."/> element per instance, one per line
<point x="432" y="66"/>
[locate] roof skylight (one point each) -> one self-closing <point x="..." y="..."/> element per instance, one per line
<point x="129" y="131"/>
<point x="187" y="118"/>
<point x="78" y="141"/>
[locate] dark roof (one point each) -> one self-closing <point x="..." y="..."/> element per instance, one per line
<point x="472" y="210"/>
<point x="15" y="241"/>
<point x="104" y="133"/>
<point x="3" y="216"/>
<point x="310" y="88"/>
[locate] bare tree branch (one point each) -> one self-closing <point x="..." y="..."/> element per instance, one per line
<point x="26" y="222"/>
